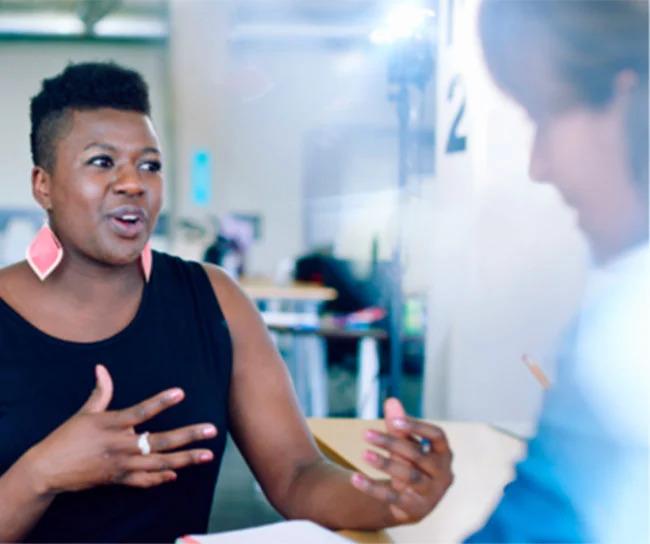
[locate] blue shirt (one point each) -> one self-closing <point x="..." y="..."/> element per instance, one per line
<point x="585" y="476"/>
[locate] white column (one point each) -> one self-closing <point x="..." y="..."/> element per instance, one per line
<point x="508" y="260"/>
<point x="368" y="379"/>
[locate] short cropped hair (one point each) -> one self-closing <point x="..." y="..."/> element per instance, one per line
<point x="84" y="86"/>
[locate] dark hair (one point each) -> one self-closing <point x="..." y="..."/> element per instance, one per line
<point x="551" y="54"/>
<point x="83" y="86"/>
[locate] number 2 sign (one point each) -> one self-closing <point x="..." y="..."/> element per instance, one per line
<point x="456" y="142"/>
<point x="456" y="96"/>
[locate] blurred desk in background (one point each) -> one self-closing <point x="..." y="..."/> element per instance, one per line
<point x="298" y="293"/>
<point x="285" y="309"/>
<point x="309" y="346"/>
<point x="292" y="311"/>
<point x="483" y="465"/>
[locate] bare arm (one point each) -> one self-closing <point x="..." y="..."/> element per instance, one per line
<point x="272" y="435"/>
<point x="23" y="501"/>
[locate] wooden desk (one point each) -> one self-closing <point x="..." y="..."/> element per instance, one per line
<point x="483" y="464"/>
<point x="298" y="291"/>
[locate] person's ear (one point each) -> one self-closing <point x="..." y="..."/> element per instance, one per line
<point x="625" y="82"/>
<point x="626" y="86"/>
<point x="41" y="186"/>
<point x="620" y="108"/>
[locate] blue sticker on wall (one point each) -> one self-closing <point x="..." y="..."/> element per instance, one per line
<point x="201" y="181"/>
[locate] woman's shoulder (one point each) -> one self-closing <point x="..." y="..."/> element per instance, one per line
<point x="9" y="271"/>
<point x="226" y="290"/>
<point x="239" y="310"/>
<point x="232" y="299"/>
<point x="219" y="279"/>
<point x="15" y="278"/>
<point x="175" y="265"/>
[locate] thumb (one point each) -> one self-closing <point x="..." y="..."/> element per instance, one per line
<point x="101" y="396"/>
<point x="393" y="410"/>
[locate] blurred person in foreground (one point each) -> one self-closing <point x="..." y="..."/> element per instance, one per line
<point x="580" y="69"/>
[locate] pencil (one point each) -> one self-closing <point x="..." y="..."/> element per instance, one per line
<point x="536" y="371"/>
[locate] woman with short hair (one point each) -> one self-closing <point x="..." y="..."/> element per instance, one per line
<point x="179" y="356"/>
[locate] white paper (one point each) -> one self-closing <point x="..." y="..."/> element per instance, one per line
<point x="285" y="532"/>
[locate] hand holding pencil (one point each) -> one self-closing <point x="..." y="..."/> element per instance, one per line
<point x="418" y="463"/>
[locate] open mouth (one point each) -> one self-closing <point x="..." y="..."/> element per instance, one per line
<point x="128" y="223"/>
<point x="128" y="219"/>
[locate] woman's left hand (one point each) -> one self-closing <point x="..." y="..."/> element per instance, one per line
<point x="418" y="463"/>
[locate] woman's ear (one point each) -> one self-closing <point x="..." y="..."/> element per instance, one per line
<point x="41" y="184"/>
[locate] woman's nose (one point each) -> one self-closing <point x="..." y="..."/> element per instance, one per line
<point x="129" y="182"/>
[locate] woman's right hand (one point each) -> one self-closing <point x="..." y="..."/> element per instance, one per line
<point x="97" y="447"/>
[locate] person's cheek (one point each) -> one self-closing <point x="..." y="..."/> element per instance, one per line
<point x="94" y="187"/>
<point x="156" y="200"/>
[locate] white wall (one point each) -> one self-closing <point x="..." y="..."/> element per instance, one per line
<point x="501" y="256"/>
<point x="508" y="260"/>
<point x="252" y="107"/>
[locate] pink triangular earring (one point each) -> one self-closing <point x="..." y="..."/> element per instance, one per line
<point x="44" y="253"/>
<point x="146" y="261"/>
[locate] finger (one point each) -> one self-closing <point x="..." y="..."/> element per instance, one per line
<point x="433" y="433"/>
<point x="168" y="461"/>
<point x="407" y="450"/>
<point x="379" y="490"/>
<point x="402" y="474"/>
<point x="145" y="410"/>
<point x="400" y="515"/>
<point x="147" y="479"/>
<point x="393" y="410"/>
<point x="171" y="440"/>
<point x="101" y="396"/>
<point x="405" y="506"/>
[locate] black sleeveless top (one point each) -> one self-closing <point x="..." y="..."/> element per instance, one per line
<point x="178" y="338"/>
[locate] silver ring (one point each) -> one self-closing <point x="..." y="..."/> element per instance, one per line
<point x="143" y="444"/>
<point x="425" y="446"/>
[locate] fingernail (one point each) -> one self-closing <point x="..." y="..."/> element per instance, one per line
<point x="400" y="424"/>
<point x="370" y="456"/>
<point x="172" y="476"/>
<point x="372" y="436"/>
<point x="359" y="481"/>
<point x="209" y="431"/>
<point x="206" y="456"/>
<point x="175" y="394"/>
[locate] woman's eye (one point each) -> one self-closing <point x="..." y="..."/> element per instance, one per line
<point x="101" y="161"/>
<point x="151" y="166"/>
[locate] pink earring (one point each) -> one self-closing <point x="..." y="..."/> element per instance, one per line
<point x="146" y="261"/>
<point x="44" y="253"/>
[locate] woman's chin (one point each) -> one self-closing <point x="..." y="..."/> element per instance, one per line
<point x="122" y="256"/>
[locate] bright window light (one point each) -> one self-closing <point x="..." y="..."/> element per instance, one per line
<point x="139" y="27"/>
<point x="403" y="22"/>
<point x="46" y="23"/>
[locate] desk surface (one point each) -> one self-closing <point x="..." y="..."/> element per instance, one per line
<point x="329" y="331"/>
<point x="263" y="290"/>
<point x="483" y="464"/>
